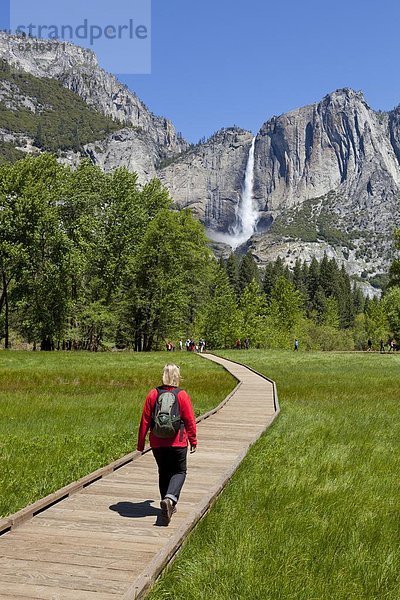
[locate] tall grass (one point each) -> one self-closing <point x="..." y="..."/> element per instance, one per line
<point x="63" y="415"/>
<point x="313" y="513"/>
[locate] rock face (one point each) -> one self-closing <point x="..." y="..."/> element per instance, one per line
<point x="339" y="144"/>
<point x="78" y="70"/>
<point x="208" y="179"/>
<point x="343" y="158"/>
<point x="126" y="148"/>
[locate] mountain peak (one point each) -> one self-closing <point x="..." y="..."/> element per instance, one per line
<point x="78" y="70"/>
<point x="344" y="96"/>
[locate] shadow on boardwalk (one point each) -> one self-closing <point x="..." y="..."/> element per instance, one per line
<point x="136" y="510"/>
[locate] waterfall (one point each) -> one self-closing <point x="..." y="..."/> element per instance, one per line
<point x="246" y="212"/>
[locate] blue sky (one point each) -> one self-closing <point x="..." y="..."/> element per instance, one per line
<point x="224" y="62"/>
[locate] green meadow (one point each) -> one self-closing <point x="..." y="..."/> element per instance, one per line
<point x="313" y="512"/>
<point x="63" y="415"/>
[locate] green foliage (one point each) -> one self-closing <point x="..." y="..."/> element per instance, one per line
<point x="232" y="270"/>
<point x="34" y="263"/>
<point x="61" y="121"/>
<point x="394" y="273"/>
<point x="376" y="321"/>
<point x="90" y="260"/>
<point x="248" y="271"/>
<point x="9" y="154"/>
<point x="170" y="277"/>
<point x="331" y="316"/>
<point x="317" y="302"/>
<point x="391" y="309"/>
<point x="222" y="322"/>
<point x="85" y="256"/>
<point x="284" y="305"/>
<point x="326" y="337"/>
<point x="253" y="311"/>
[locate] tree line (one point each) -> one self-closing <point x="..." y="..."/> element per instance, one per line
<point x="316" y="302"/>
<point x="91" y="260"/>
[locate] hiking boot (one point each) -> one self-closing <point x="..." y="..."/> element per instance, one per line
<point x="167" y="509"/>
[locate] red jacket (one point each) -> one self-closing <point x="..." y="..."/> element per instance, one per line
<point x="187" y="416"/>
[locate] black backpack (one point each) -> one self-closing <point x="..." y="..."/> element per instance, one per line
<point x="166" y="416"/>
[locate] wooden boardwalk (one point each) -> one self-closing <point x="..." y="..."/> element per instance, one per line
<point x="103" y="542"/>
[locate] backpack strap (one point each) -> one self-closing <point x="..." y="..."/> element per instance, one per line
<point x="175" y="390"/>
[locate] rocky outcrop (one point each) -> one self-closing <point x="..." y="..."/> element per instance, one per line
<point x="78" y="70"/>
<point x="209" y="178"/>
<point x="126" y="148"/>
<point x="338" y="144"/>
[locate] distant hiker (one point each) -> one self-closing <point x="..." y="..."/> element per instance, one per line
<point x="180" y="345"/>
<point x="247" y="343"/>
<point x="382" y="346"/>
<point x="369" y="343"/>
<point x="169" y="414"/>
<point x="238" y="344"/>
<point x="187" y="344"/>
<point x="296" y="345"/>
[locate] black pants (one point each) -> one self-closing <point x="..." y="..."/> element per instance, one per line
<point x="171" y="464"/>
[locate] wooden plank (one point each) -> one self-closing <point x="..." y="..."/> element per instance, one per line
<point x="107" y="536"/>
<point x="61" y="583"/>
<point x="81" y="541"/>
<point x="10" y="591"/>
<point x="36" y="569"/>
<point x="89" y="527"/>
<point x="51" y="552"/>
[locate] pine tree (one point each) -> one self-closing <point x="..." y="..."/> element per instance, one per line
<point x="285" y="304"/>
<point x="232" y="270"/>
<point x="358" y="300"/>
<point x="299" y="281"/>
<point x="38" y="140"/>
<point x="312" y="283"/>
<point x="222" y="319"/>
<point x="345" y="300"/>
<point x="268" y="279"/>
<point x="253" y="310"/>
<point x="248" y="271"/>
<point x="394" y="272"/>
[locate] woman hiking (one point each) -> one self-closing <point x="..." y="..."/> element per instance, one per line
<point x="169" y="415"/>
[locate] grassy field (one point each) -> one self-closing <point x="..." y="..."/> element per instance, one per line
<point x="63" y="415"/>
<point x="313" y="512"/>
